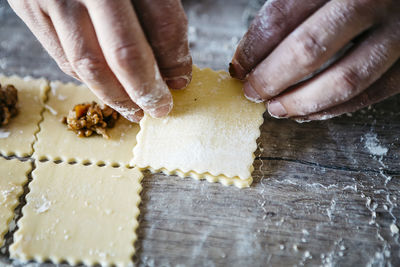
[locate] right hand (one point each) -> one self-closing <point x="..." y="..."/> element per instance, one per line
<point x="290" y="40"/>
<point x="126" y="58"/>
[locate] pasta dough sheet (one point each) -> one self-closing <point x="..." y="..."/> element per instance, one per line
<point x="17" y="137"/>
<point x="56" y="142"/>
<point x="80" y="214"/>
<point x="13" y="176"/>
<point x="211" y="132"/>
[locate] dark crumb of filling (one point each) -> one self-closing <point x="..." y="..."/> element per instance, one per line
<point x="90" y="118"/>
<point x="8" y="103"/>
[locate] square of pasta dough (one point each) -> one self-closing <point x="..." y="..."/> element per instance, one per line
<point x="13" y="176"/>
<point x="210" y="132"/>
<point x="17" y="137"/>
<point x="56" y="142"/>
<point x="79" y="214"/>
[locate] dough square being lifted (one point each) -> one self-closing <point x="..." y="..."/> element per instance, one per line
<point x="79" y="214"/>
<point x="13" y="176"/>
<point x="211" y="132"/>
<point x="56" y="142"/>
<point x="17" y="137"/>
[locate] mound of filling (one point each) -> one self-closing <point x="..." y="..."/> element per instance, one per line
<point x="8" y="103"/>
<point x="90" y="118"/>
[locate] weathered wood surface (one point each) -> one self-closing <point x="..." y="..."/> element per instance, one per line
<point x="321" y="195"/>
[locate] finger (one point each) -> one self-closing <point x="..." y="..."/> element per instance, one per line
<point x="275" y="20"/>
<point x="78" y="38"/>
<point x="311" y="45"/>
<point x="366" y="63"/>
<point x="130" y="57"/>
<point x="385" y="87"/>
<point x="41" y="26"/>
<point x="165" y="25"/>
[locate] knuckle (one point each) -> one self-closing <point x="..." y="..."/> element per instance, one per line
<point x="277" y="26"/>
<point x="380" y="53"/>
<point x="346" y="11"/>
<point x="175" y="29"/>
<point x="307" y="49"/>
<point x="276" y="8"/>
<point x="370" y="6"/>
<point x="173" y="26"/>
<point x="18" y="4"/>
<point x="89" y="68"/>
<point x="52" y="6"/>
<point x="27" y="10"/>
<point x="66" y="68"/>
<point x="122" y="56"/>
<point x="261" y="85"/>
<point x="348" y="82"/>
<point x="176" y="23"/>
<point x="270" y="21"/>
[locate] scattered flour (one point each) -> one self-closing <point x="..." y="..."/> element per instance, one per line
<point x="371" y="143"/>
<point x="44" y="205"/>
<point x="305" y="232"/>
<point x="4" y="134"/>
<point x="61" y="97"/>
<point x="394" y="229"/>
<point x="331" y="209"/>
<point x="54" y="87"/>
<point x="52" y="110"/>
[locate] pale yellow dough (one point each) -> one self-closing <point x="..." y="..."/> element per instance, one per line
<point x="55" y="142"/>
<point x="17" y="137"/>
<point x="13" y="176"/>
<point x="79" y="214"/>
<point x="210" y="133"/>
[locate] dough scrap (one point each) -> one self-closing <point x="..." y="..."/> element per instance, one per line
<point x="55" y="142"/>
<point x="17" y="137"/>
<point x="13" y="176"/>
<point x="80" y="214"/>
<point x="210" y="133"/>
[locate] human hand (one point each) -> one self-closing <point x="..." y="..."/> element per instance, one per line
<point x="290" y="39"/>
<point x="127" y="53"/>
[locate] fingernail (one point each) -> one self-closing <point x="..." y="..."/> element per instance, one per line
<point x="178" y="83"/>
<point x="131" y="118"/>
<point x="251" y="94"/>
<point x="132" y="115"/>
<point x="276" y="109"/>
<point x="135" y="117"/>
<point x="302" y="120"/>
<point x="161" y="111"/>
<point x="236" y="70"/>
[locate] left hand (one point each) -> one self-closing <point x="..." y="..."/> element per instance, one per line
<point x="290" y="39"/>
<point x="126" y="52"/>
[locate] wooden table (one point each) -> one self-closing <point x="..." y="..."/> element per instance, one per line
<point x="322" y="194"/>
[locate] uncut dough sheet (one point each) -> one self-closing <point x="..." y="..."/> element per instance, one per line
<point x="79" y="214"/>
<point x="13" y="176"/>
<point x="210" y="134"/>
<point x="56" y="142"/>
<point x="17" y="137"/>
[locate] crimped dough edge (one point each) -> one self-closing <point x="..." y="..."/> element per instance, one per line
<point x="43" y="98"/>
<point x="70" y="259"/>
<point x="17" y="202"/>
<point x="213" y="177"/>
